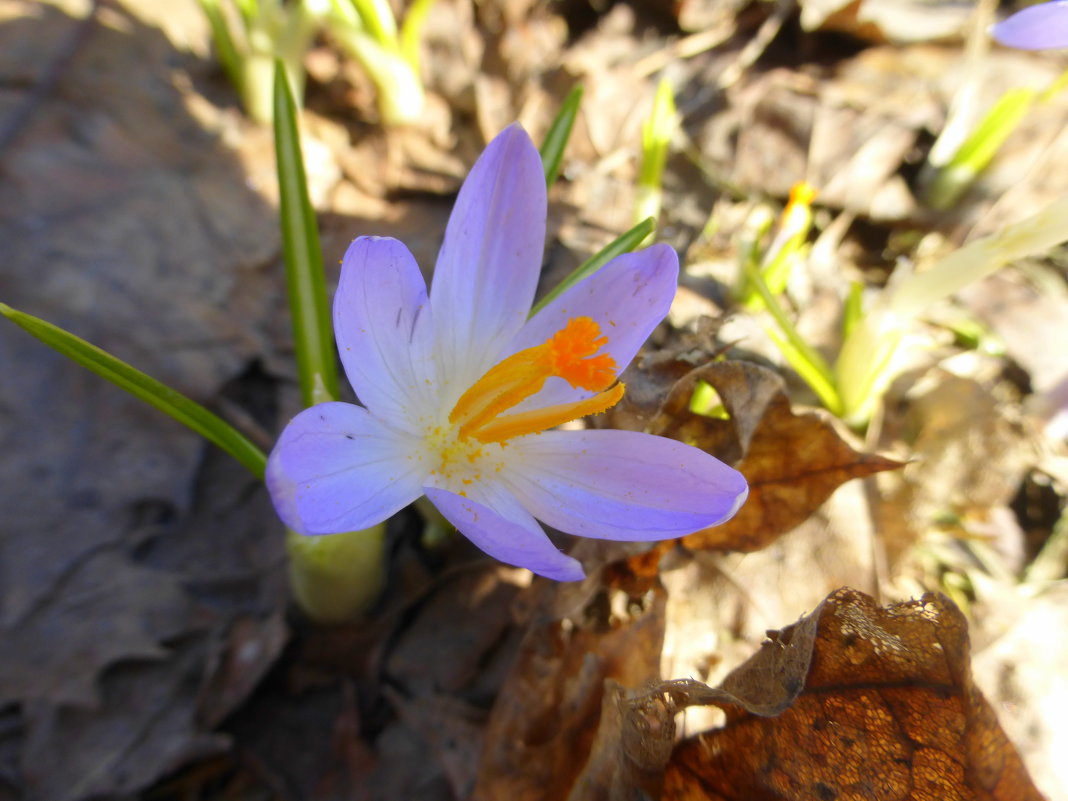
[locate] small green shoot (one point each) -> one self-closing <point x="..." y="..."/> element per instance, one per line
<point x="787" y="246"/>
<point x="656" y="137"/>
<point x="867" y="360"/>
<point x="706" y="402"/>
<point x="411" y="32"/>
<point x="556" y="138"/>
<point x="251" y="35"/>
<point x="948" y="178"/>
<point x="376" y="16"/>
<point x="250" y="39"/>
<point x="367" y="30"/>
<point x="853" y="309"/>
<point x="225" y="47"/>
<point x="805" y="359"/>
<point x="977" y="151"/>
<point x="786" y="249"/>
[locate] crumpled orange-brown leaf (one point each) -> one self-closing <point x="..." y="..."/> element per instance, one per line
<point x="886" y="712"/>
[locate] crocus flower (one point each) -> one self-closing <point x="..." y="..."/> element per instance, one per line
<point x="460" y="391"/>
<point x="1041" y="27"/>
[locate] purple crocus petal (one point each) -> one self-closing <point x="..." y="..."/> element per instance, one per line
<point x="383" y="327"/>
<point x="508" y="534"/>
<point x="337" y="468"/>
<point x="1041" y="27"/>
<point x="487" y="270"/>
<point x="628" y="298"/>
<point x="622" y="485"/>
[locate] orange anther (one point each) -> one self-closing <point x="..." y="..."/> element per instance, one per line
<point x="572" y="350"/>
<point x="570" y="354"/>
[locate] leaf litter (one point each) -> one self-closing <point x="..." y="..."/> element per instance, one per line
<point x="149" y="647"/>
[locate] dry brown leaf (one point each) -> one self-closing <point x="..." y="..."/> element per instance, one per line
<point x="969" y="453"/>
<point x="451" y="729"/>
<point x="633" y="743"/>
<point x="153" y="246"/>
<point x="792" y="462"/>
<point x="852" y="701"/>
<point x="885" y="708"/>
<point x="126" y="219"/>
<point x="140" y="607"/>
<point x="542" y="727"/>
<point x="887" y="20"/>
<point x="251" y="648"/>
<point x="144" y="727"/>
<point x="463" y="623"/>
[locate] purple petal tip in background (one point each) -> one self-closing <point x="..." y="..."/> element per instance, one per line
<point x="1041" y="27"/>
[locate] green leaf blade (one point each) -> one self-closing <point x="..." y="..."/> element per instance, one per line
<point x="313" y="337"/>
<point x="226" y="49"/>
<point x="411" y="32"/>
<point x="805" y="359"/>
<point x="620" y="245"/>
<point x="143" y="387"/>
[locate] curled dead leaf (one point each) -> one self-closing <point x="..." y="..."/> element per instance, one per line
<point x="633" y="743"/>
<point x="885" y="708"/>
<point x="852" y="701"/>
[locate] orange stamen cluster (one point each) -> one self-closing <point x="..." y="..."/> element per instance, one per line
<point x="570" y="354"/>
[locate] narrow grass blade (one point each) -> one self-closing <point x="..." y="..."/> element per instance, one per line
<point x="622" y="244"/>
<point x="805" y="359"/>
<point x="853" y="310"/>
<point x="377" y="19"/>
<point x="313" y="338"/>
<point x="556" y="138"/>
<point x="400" y="92"/>
<point x="867" y="363"/>
<point x="979" y="149"/>
<point x="657" y="131"/>
<point x="187" y="412"/>
<point x="995" y="128"/>
<point x="225" y="47"/>
<point x="980" y="257"/>
<point x="656" y="137"/>
<point x="798" y="359"/>
<point x="411" y="32"/>
<point x="249" y="10"/>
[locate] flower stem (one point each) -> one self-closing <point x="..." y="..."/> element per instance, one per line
<point x="338" y="576"/>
